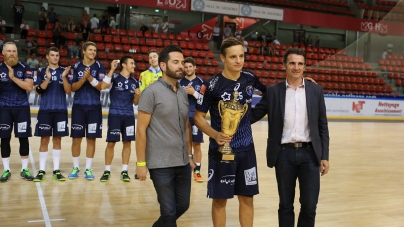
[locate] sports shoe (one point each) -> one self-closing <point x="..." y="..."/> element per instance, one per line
<point x="136" y="177"/>
<point x="198" y="177"/>
<point x="105" y="177"/>
<point x="26" y="175"/>
<point x="5" y="176"/>
<point x="88" y="174"/>
<point x="74" y="174"/>
<point x="40" y="176"/>
<point x="124" y="176"/>
<point x="58" y="176"/>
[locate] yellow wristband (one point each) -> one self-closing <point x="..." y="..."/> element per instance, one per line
<point x="140" y="163"/>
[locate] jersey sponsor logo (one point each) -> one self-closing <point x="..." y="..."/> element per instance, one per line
<point x="44" y="127"/>
<point x="80" y="73"/>
<point x="228" y="179"/>
<point x="250" y="176"/>
<point x="210" y="174"/>
<point x="94" y="73"/>
<point x="19" y="74"/>
<point x="203" y="89"/>
<point x="61" y="126"/>
<point x="4" y="127"/>
<point x="22" y="127"/>
<point x="101" y="76"/>
<point x="3" y="77"/>
<point x="212" y="83"/>
<point x="130" y="130"/>
<point x="77" y="127"/>
<point x="133" y="86"/>
<point x="29" y="74"/>
<point x="250" y="90"/>
<point x="115" y="132"/>
<point x="92" y="128"/>
<point x="197" y="88"/>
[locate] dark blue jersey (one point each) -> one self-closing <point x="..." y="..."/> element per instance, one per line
<point x="54" y="97"/>
<point x="196" y="84"/>
<point x="87" y="97"/>
<point x="11" y="95"/>
<point x="220" y="88"/>
<point x="121" y="95"/>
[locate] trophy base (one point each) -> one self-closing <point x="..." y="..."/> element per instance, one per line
<point x="228" y="157"/>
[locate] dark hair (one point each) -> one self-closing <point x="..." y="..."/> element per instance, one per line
<point x="297" y="51"/>
<point x="229" y="42"/>
<point x="190" y="60"/>
<point x="87" y="44"/>
<point x="153" y="51"/>
<point x="164" y="55"/>
<point x="124" y="60"/>
<point x="51" y="49"/>
<point x="94" y="15"/>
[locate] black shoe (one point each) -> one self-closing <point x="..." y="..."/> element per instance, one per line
<point x="105" y="177"/>
<point x="26" y="175"/>
<point x="5" y="176"/>
<point x="136" y="177"/>
<point x="40" y="177"/>
<point x="124" y="176"/>
<point x="58" y="176"/>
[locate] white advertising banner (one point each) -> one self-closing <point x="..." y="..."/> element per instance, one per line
<point x="366" y="107"/>
<point x="215" y="7"/>
<point x="261" y="12"/>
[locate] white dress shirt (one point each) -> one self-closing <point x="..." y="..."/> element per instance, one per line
<point x="296" y="121"/>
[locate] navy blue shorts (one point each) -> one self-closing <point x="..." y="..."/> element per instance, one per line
<point x="20" y="118"/>
<point x="51" y="124"/>
<point x="86" y="123"/>
<point x="118" y="125"/>
<point x="197" y="135"/>
<point x="234" y="178"/>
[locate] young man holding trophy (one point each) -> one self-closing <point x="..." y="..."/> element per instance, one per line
<point x="232" y="161"/>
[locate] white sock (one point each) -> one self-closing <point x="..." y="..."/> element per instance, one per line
<point x="108" y="168"/>
<point x="24" y="162"/>
<point x="56" y="158"/>
<point x="198" y="164"/>
<point x="76" y="162"/>
<point x="124" y="167"/>
<point x="6" y="163"/>
<point x="42" y="160"/>
<point x="89" y="161"/>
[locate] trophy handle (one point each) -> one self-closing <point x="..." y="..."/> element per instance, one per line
<point x="220" y="104"/>
<point x="245" y="108"/>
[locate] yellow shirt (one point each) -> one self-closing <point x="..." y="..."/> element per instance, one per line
<point x="148" y="77"/>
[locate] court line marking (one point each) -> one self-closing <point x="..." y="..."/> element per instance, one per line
<point x="45" y="213"/>
<point x="36" y="221"/>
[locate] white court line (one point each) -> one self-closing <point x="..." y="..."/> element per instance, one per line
<point x="40" y="193"/>
<point x="35" y="221"/>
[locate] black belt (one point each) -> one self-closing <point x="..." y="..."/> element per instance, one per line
<point x="297" y="144"/>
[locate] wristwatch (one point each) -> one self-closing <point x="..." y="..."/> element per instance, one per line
<point x="191" y="155"/>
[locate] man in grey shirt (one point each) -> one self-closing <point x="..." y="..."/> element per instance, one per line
<point x="164" y="138"/>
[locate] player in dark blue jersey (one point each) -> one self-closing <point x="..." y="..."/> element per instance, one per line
<point x="239" y="177"/>
<point x="192" y="85"/>
<point x="52" y="85"/>
<point x="123" y="93"/>
<point x="15" y="81"/>
<point x="86" y="82"/>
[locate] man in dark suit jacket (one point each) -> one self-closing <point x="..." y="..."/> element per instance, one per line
<point x="298" y="139"/>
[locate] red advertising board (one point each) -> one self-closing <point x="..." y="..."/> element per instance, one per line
<point x="203" y="32"/>
<point x="182" y="5"/>
<point x="342" y="22"/>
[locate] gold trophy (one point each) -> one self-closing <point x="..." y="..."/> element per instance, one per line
<point x="231" y="113"/>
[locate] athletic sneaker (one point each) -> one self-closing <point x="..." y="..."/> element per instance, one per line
<point x="40" y="176"/>
<point x="198" y="177"/>
<point x="124" y="176"/>
<point x="136" y="177"/>
<point x="58" y="176"/>
<point x="74" y="174"/>
<point x="88" y="174"/>
<point x="105" y="177"/>
<point x="5" y="176"/>
<point x="26" y="175"/>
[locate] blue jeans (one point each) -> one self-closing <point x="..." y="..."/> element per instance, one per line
<point x="173" y="188"/>
<point x="299" y="164"/>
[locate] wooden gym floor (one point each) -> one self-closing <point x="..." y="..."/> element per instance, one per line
<point x="365" y="186"/>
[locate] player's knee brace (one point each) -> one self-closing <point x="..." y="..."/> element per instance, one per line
<point x="5" y="147"/>
<point x="24" y="146"/>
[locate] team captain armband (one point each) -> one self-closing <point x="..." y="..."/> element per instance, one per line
<point x="140" y="163"/>
<point x="107" y="80"/>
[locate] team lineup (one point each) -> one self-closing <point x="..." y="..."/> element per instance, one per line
<point x="172" y="106"/>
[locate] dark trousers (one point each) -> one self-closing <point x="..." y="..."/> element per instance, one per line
<point x="173" y="188"/>
<point x="301" y="164"/>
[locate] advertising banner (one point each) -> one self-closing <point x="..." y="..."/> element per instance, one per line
<point x="182" y="5"/>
